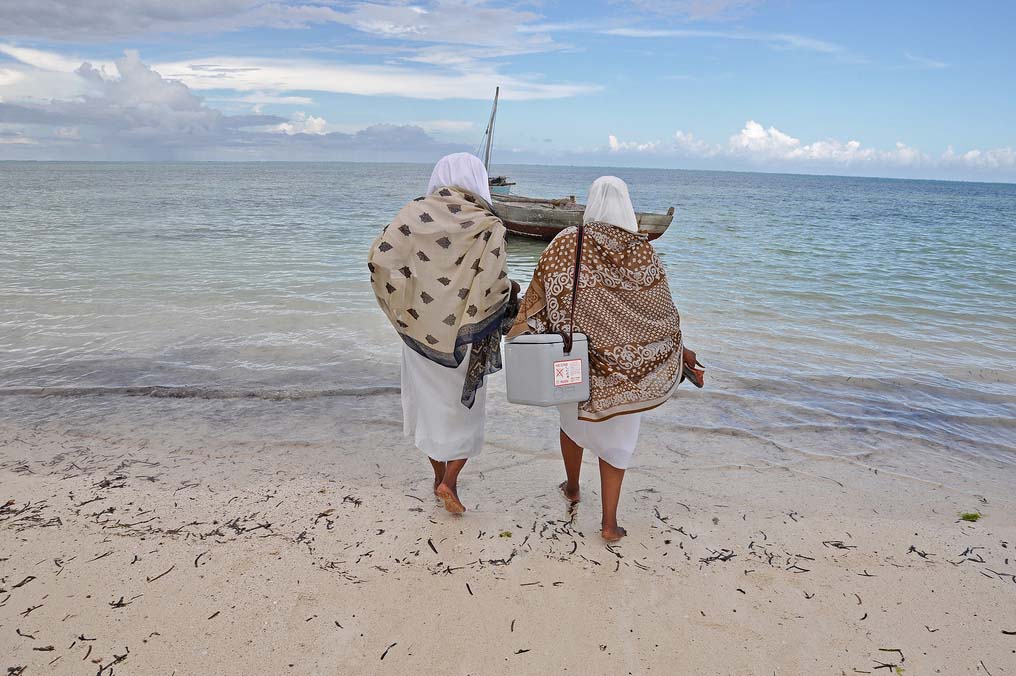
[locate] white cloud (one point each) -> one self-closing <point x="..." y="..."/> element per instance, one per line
<point x="253" y="74"/>
<point x="682" y="144"/>
<point x="757" y="140"/>
<point x="16" y="139"/>
<point x="130" y="111"/>
<point x="447" y="126"/>
<point x="770" y="144"/>
<point x="448" y="22"/>
<point x="770" y="148"/>
<point x="997" y="158"/>
<point x="302" y="123"/>
<point x="40" y="59"/>
<point x="778" y="40"/>
<point x="924" y="62"/>
<point x="467" y="79"/>
<point x="9" y="76"/>
<point x="96" y="20"/>
<point x="617" y="146"/>
<point x="698" y="9"/>
<point x="562" y="27"/>
<point x="42" y="75"/>
<point x="459" y="39"/>
<point x="132" y="105"/>
<point x="685" y="143"/>
<point x="265" y="99"/>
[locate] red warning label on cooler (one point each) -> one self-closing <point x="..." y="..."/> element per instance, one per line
<point x="567" y="372"/>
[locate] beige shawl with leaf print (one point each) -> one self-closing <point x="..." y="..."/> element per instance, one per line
<point x="439" y="273"/>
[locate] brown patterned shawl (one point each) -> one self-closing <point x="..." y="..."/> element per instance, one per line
<point x="438" y="272"/>
<point x="625" y="309"/>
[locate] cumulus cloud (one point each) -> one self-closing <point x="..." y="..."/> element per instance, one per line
<point x="761" y="147"/>
<point x="136" y="105"/>
<point x="130" y="111"/>
<point x="762" y="144"/>
<point x="686" y="143"/>
<point x="997" y="158"/>
<point x="617" y="146"/>
<point x="302" y="123"/>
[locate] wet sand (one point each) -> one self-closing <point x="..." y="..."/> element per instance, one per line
<point x="161" y="536"/>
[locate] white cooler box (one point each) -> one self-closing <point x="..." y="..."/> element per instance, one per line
<point x="539" y="373"/>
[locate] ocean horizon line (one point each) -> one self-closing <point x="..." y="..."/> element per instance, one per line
<point x="428" y="163"/>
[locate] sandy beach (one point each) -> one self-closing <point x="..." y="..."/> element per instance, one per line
<point x="235" y="536"/>
<point x="244" y="242"/>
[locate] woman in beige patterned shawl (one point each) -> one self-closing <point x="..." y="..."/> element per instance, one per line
<point x="636" y="355"/>
<point x="439" y="273"/>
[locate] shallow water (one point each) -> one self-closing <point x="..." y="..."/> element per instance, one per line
<point x="860" y="314"/>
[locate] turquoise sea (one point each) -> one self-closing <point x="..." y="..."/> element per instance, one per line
<point x="882" y="307"/>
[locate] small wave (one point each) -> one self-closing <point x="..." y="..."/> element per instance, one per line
<point x="184" y="392"/>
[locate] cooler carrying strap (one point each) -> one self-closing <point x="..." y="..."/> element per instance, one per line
<point x="575" y="292"/>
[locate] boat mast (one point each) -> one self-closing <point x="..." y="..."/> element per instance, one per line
<point x="490" y="130"/>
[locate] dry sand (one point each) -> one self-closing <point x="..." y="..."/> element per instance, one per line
<point x="162" y="536"/>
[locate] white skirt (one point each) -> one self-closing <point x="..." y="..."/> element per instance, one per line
<point x="432" y="411"/>
<point x="612" y="440"/>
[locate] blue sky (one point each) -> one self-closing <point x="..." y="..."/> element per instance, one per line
<point x="923" y="89"/>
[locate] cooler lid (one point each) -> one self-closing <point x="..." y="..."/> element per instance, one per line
<point x="545" y="339"/>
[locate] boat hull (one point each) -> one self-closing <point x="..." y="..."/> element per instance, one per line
<point x="544" y="219"/>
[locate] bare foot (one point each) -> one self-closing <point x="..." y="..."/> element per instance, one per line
<point x="450" y="498"/>
<point x="570" y="496"/>
<point x="439" y="470"/>
<point x="613" y="533"/>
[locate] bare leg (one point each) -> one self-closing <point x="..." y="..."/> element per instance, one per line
<point x="610" y="491"/>
<point x="447" y="490"/>
<point x="572" y="454"/>
<point x="439" y="470"/>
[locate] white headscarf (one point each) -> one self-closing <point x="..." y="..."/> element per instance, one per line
<point x="609" y="203"/>
<point x="463" y="171"/>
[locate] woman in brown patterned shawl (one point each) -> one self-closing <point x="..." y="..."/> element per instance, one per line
<point x="439" y="273"/>
<point x="636" y="355"/>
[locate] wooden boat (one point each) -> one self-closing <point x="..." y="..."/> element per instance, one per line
<point x="500" y="185"/>
<point x="543" y="219"/>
